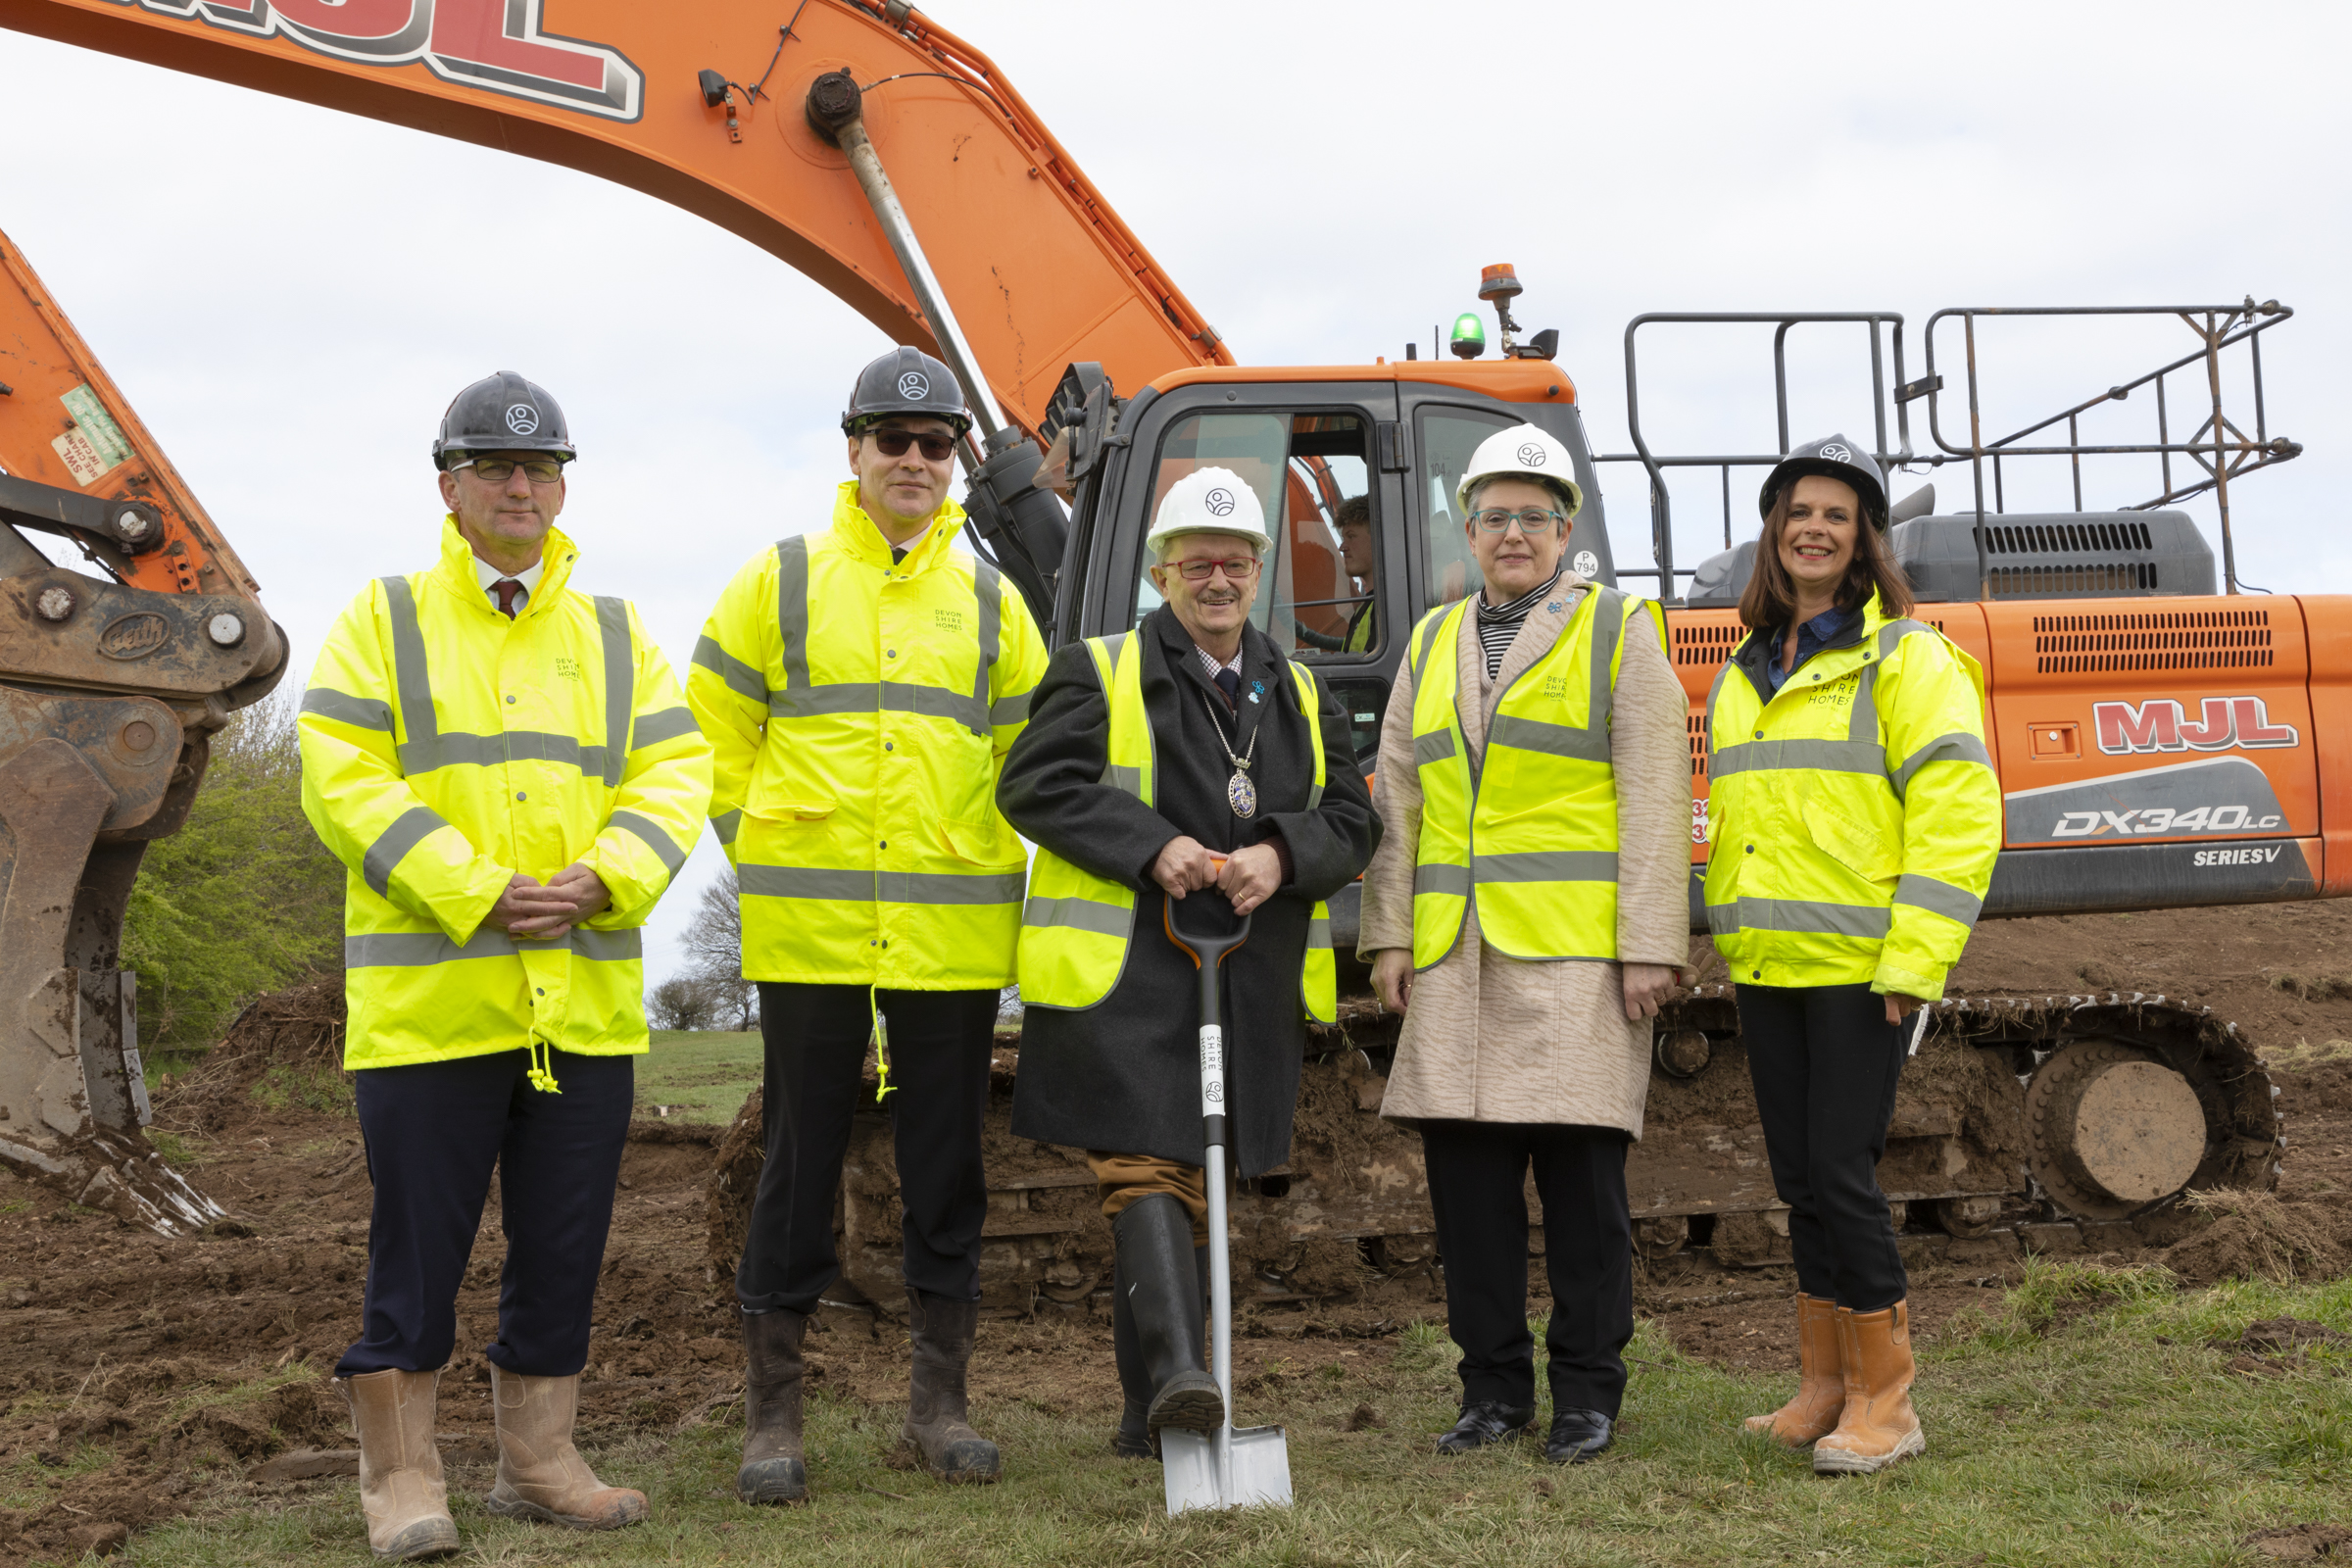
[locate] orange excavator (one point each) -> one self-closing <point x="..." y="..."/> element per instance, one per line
<point x="2159" y="742"/>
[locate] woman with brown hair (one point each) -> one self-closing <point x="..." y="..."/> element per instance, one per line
<point x="1854" y="818"/>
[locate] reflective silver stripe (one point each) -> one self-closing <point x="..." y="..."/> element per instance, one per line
<point x="836" y="698"/>
<point x="1938" y="897"/>
<point x="989" y="585"/>
<point x="360" y="712"/>
<point x="792" y="606"/>
<point x="1862" y="725"/>
<point x="1713" y="692"/>
<point x="620" y="681"/>
<point x="1800" y="916"/>
<point x="407" y="663"/>
<point x="1894" y="631"/>
<point x="741" y="678"/>
<point x="416" y="949"/>
<point x="665" y="725"/>
<point x="1957" y="747"/>
<point x="408" y="830"/>
<point x="1130" y="779"/>
<point x="726" y="824"/>
<point x="665" y="847"/>
<point x="1608" y="626"/>
<point x="1821" y="756"/>
<point x="1434" y="747"/>
<point x="1080" y="915"/>
<point x="1454" y="879"/>
<point x="1552" y="740"/>
<point x="1012" y="708"/>
<point x="1318" y="931"/>
<point x="1548" y="865"/>
<point x="488" y="751"/>
<point x="887" y="887"/>
<point x="1427" y="636"/>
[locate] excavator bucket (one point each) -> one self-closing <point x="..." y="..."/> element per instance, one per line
<point x="110" y="688"/>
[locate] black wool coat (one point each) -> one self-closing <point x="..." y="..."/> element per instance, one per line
<point x="1124" y="1075"/>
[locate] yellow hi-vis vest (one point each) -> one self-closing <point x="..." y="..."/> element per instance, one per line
<point x="444" y="749"/>
<point x="1533" y="835"/>
<point x="860" y="710"/>
<point x="1854" y="817"/>
<point x="1076" y="928"/>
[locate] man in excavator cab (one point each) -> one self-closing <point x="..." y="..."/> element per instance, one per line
<point x="509" y="770"/>
<point x="861" y="683"/>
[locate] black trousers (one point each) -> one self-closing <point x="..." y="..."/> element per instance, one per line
<point x="816" y="1038"/>
<point x="1477" y="1187"/>
<point x="433" y="1133"/>
<point x="1826" y="1062"/>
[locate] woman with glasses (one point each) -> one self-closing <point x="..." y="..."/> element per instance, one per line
<point x="1527" y="914"/>
<point x="1855" y="823"/>
<point x="1187" y="760"/>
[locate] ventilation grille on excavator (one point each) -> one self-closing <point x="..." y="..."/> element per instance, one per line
<point x="2057" y="538"/>
<point x="2173" y="639"/>
<point x="2018" y="582"/>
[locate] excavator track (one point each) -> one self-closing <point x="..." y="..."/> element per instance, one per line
<point x="2080" y="1113"/>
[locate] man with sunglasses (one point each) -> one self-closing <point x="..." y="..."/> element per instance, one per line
<point x="510" y="772"/>
<point x="860" y="683"/>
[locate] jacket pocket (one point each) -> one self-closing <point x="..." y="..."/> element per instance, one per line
<point x="1875" y="855"/>
<point x="990" y="844"/>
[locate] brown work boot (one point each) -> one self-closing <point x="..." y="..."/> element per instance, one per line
<point x="1879" y="1426"/>
<point x="540" y="1473"/>
<point x="936" y="1408"/>
<point x="772" y="1469"/>
<point x="400" y="1470"/>
<point x="1821" y="1380"/>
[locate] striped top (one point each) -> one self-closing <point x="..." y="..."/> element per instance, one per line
<point x="1497" y="624"/>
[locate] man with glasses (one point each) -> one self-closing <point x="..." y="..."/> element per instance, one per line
<point x="511" y="774"/>
<point x="860" y="683"/>
<point x="1187" y="760"/>
<point x="1527" y="915"/>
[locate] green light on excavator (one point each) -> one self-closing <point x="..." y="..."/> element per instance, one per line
<point x="1469" y="335"/>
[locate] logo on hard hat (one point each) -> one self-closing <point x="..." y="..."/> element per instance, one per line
<point x="914" y="386"/>
<point x="1217" y="502"/>
<point x="1837" y="454"/>
<point x="1533" y="455"/>
<point x="522" y="418"/>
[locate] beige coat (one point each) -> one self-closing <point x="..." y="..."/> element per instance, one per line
<point x="1490" y="1038"/>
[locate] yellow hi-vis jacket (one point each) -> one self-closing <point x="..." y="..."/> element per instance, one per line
<point x="861" y="711"/>
<point x="444" y="749"/>
<point x="1854" y="817"/>
<point x="1077" y="926"/>
<point x="1533" y="836"/>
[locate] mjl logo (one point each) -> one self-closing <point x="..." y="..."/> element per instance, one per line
<point x="2161" y="725"/>
<point x="492" y="44"/>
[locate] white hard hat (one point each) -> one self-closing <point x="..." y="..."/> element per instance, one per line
<point x="1522" y="452"/>
<point x="1209" y="501"/>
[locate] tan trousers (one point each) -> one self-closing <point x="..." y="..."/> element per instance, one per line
<point x="1121" y="1179"/>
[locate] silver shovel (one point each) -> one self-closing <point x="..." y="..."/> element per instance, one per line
<point x="1225" y="1468"/>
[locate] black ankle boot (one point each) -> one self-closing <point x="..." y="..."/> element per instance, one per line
<point x="1157" y="1283"/>
<point x="1485" y="1422"/>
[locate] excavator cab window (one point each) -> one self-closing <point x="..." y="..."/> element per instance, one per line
<point x="1312" y="475"/>
<point x="1449" y="438"/>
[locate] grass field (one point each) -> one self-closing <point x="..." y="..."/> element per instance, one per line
<point x="700" y="1074"/>
<point x="2090" y="1421"/>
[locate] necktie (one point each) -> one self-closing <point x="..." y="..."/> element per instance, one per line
<point x="506" y="588"/>
<point x="1229" y="681"/>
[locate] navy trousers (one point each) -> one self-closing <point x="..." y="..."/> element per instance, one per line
<point x="1477" y="1195"/>
<point x="1824" y="1063"/>
<point x="434" y="1132"/>
<point x="815" y="1036"/>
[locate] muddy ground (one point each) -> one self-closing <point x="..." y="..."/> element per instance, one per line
<point x="148" y="1376"/>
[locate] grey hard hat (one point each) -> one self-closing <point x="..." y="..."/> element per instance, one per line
<point x="1839" y="458"/>
<point x="906" y="382"/>
<point x="502" y="412"/>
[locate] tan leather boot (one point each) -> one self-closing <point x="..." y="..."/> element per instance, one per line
<point x="400" y="1470"/>
<point x="936" y="1410"/>
<point x="1821" y="1380"/>
<point x="1879" y="1426"/>
<point x="540" y="1473"/>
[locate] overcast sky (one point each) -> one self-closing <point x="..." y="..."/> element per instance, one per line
<point x="289" y="296"/>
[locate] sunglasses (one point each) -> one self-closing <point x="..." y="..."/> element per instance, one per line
<point x="894" y="444"/>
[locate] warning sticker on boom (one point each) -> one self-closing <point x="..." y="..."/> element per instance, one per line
<point x="95" y="444"/>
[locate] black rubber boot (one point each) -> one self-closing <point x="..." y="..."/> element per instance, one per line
<point x="1160" y="1286"/>
<point x="1132" y="1440"/>
<point x="772" y="1470"/>
<point x="937" y="1413"/>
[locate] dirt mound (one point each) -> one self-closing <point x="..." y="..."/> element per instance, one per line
<point x="2256" y="1235"/>
<point x="2321" y="1089"/>
<point x="2303" y="1543"/>
<point x="287" y="1044"/>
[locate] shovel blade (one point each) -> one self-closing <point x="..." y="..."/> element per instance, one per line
<point x="1260" y="1469"/>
